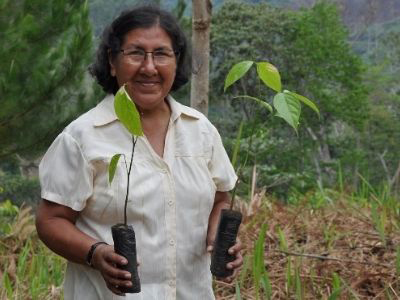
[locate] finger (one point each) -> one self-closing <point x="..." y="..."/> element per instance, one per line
<point x="210" y="248"/>
<point x="107" y="255"/>
<point x="111" y="270"/>
<point x="114" y="272"/>
<point x="226" y="279"/>
<point x="114" y="258"/>
<point x="235" y="248"/>
<point x="115" y="290"/>
<point x="230" y="278"/>
<point x="236" y="263"/>
<point x="114" y="282"/>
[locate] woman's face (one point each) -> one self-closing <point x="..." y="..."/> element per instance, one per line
<point x="148" y="80"/>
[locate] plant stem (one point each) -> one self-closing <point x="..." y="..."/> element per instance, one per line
<point x="129" y="173"/>
<point x="243" y="165"/>
<point x="234" y="193"/>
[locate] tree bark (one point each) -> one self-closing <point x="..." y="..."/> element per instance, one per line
<point x="201" y="21"/>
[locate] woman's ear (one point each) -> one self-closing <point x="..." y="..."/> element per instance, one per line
<point x="111" y="62"/>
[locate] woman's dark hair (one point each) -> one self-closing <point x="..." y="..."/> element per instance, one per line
<point x="139" y="17"/>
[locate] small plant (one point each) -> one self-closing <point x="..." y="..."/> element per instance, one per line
<point x="122" y="233"/>
<point x="8" y="211"/>
<point x="379" y="221"/>
<point x="298" y="285"/>
<point x="259" y="273"/>
<point x="336" y="287"/>
<point x="288" y="106"/>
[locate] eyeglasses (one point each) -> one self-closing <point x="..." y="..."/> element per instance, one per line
<point x="160" y="57"/>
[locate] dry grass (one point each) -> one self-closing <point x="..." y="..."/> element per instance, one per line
<point x="28" y="269"/>
<point x="338" y="238"/>
<point x="342" y="249"/>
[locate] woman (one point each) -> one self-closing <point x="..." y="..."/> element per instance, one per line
<point x="179" y="183"/>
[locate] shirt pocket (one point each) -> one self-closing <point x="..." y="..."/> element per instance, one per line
<point x="102" y="205"/>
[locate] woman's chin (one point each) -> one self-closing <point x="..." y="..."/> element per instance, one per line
<point x="149" y="102"/>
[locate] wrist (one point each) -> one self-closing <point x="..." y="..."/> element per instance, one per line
<point x="90" y="254"/>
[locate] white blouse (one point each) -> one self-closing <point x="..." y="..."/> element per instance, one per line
<point x="169" y="203"/>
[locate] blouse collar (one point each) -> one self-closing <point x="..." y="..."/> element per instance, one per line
<point x="104" y="112"/>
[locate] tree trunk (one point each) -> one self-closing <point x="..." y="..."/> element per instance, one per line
<point x="201" y="11"/>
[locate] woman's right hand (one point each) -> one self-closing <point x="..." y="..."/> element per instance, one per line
<point x="105" y="260"/>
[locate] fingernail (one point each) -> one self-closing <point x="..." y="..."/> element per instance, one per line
<point x="128" y="275"/>
<point x="230" y="251"/>
<point x="124" y="261"/>
<point x="229" y="266"/>
<point x="129" y="284"/>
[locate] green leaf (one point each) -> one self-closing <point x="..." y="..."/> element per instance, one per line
<point x="298" y="285"/>
<point x="398" y="261"/>
<point x="267" y="287"/>
<point x="335" y="294"/>
<point x="113" y="167"/>
<point x="259" y="101"/>
<point x="237" y="290"/>
<point x="8" y="285"/>
<point x="282" y="240"/>
<point x="237" y="72"/>
<point x="127" y="113"/>
<point x="305" y="100"/>
<point x="336" y="287"/>
<point x="258" y="260"/>
<point x="269" y="74"/>
<point x="336" y="281"/>
<point x="288" y="108"/>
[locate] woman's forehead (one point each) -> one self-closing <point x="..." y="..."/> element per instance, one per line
<point x="153" y="36"/>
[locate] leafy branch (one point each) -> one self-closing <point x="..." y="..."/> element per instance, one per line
<point x="287" y="104"/>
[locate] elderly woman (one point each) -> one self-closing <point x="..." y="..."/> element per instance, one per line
<point x="180" y="179"/>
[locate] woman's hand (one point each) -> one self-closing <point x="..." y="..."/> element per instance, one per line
<point x="105" y="260"/>
<point x="234" y="265"/>
<point x="222" y="201"/>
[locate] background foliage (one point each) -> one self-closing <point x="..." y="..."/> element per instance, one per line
<point x="346" y="63"/>
<point x="43" y="85"/>
<point x="342" y="54"/>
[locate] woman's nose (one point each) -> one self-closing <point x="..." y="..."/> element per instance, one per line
<point x="148" y="67"/>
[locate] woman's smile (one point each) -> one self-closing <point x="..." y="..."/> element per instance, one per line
<point x="148" y="83"/>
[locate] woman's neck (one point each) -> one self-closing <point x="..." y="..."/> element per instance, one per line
<point x="160" y="112"/>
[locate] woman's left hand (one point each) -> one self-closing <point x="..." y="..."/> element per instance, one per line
<point x="221" y="201"/>
<point x="234" y="265"/>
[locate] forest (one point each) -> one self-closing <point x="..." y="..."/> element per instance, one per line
<point x="320" y="203"/>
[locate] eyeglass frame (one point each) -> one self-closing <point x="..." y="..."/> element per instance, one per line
<point x="145" y="53"/>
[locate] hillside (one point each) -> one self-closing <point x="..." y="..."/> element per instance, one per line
<point x="367" y="20"/>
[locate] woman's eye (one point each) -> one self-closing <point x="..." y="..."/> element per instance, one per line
<point x="160" y="54"/>
<point x="135" y="53"/>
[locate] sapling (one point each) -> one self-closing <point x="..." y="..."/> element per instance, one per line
<point x="287" y="106"/>
<point x="122" y="233"/>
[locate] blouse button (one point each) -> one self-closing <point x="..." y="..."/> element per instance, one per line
<point x="171" y="242"/>
<point x="170" y="202"/>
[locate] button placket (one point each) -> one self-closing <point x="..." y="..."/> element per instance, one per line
<point x="171" y="232"/>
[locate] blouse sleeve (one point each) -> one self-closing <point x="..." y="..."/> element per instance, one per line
<point x="65" y="175"/>
<point x="220" y="166"/>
